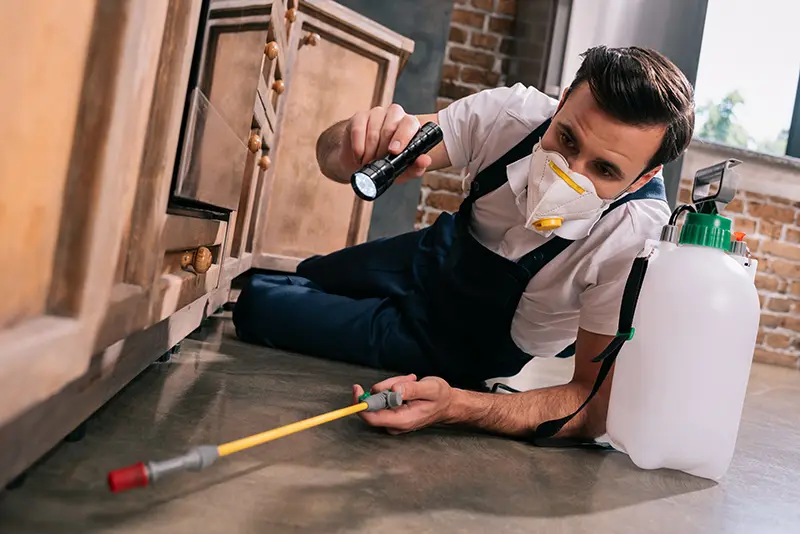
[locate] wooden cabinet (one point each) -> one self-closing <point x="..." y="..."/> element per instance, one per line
<point x="341" y="64"/>
<point x="186" y="158"/>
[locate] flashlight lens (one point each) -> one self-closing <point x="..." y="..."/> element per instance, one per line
<point x="365" y="185"/>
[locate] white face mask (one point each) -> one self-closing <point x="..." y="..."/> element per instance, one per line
<point x="559" y="198"/>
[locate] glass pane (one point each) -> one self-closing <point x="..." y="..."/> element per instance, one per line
<point x="748" y="71"/>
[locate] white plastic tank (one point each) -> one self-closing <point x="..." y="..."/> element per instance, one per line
<point x="679" y="384"/>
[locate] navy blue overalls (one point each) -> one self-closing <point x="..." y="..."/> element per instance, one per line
<point x="431" y="302"/>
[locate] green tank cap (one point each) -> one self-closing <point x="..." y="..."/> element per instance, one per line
<point x="707" y="231"/>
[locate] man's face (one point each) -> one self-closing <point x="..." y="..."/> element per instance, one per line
<point x="611" y="154"/>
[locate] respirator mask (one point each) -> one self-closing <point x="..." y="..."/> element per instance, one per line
<point x="558" y="198"/>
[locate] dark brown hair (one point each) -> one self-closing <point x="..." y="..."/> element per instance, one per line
<point x="641" y="87"/>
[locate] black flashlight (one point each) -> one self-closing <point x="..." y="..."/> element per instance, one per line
<point x="374" y="178"/>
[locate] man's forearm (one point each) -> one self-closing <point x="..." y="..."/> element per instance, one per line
<point x="328" y="145"/>
<point x="521" y="413"/>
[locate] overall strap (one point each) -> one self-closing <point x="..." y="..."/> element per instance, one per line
<point x="543" y="435"/>
<point x="495" y="175"/>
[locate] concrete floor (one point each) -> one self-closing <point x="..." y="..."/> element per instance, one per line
<point x="347" y="477"/>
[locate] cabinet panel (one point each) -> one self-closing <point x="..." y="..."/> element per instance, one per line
<point x="306" y="213"/>
<point x="33" y="162"/>
<point x="229" y="65"/>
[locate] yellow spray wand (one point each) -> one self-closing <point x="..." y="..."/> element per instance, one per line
<point x="141" y="474"/>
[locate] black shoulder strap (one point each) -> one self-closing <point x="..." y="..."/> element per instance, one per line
<point x="495" y="175"/>
<point x="625" y="332"/>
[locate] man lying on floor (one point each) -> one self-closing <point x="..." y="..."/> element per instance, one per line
<point x="562" y="196"/>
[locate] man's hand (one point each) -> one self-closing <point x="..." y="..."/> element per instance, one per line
<point x="425" y="402"/>
<point x="347" y="146"/>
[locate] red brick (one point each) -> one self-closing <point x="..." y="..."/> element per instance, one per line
<point x="752" y="243"/>
<point x="792" y="323"/>
<point x="483" y="40"/>
<point x="501" y="25"/>
<point x="770" y="229"/>
<point x="792" y="235"/>
<point x="778" y="341"/>
<point x="735" y="206"/>
<point x="780" y="200"/>
<point x="775" y="358"/>
<point x="507" y="46"/>
<point x="794" y="289"/>
<point x="458" y="35"/>
<point x="685" y="196"/>
<point x="780" y="305"/>
<point x="770" y="212"/>
<point x="442" y="182"/>
<point x="754" y="196"/>
<point x="486" y="5"/>
<point x="771" y="321"/>
<point x="797" y="220"/>
<point x="454" y="91"/>
<point x="759" y="337"/>
<point x="442" y="103"/>
<point x="478" y="76"/>
<point x="418" y="219"/>
<point x="788" y="269"/>
<point x="743" y="224"/>
<point x="430" y="217"/>
<point x="507" y="7"/>
<point x="471" y="57"/>
<point x="782" y="250"/>
<point x="450" y="72"/>
<point x="444" y="201"/>
<point x="766" y="282"/>
<point x="468" y="18"/>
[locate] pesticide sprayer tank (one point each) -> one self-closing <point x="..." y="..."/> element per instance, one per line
<point x="679" y="384"/>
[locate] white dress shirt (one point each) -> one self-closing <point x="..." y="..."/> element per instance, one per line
<point x="583" y="286"/>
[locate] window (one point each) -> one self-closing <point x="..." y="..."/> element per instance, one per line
<point x="748" y="75"/>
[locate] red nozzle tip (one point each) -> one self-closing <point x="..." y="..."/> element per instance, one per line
<point x="134" y="476"/>
<point x="739" y="235"/>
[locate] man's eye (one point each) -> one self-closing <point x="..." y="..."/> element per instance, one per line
<point x="566" y="141"/>
<point x="604" y="171"/>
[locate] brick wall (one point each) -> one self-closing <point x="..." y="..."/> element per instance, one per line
<point x="479" y="56"/>
<point x="772" y="225"/>
<point x="767" y="209"/>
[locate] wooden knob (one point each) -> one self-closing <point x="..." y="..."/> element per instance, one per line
<point x="202" y="260"/>
<point x="255" y="143"/>
<point x="272" y="49"/>
<point x="264" y="162"/>
<point x="312" y="39"/>
<point x="291" y="15"/>
<point x="278" y="86"/>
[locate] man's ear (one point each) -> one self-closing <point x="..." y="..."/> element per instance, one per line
<point x="646" y="177"/>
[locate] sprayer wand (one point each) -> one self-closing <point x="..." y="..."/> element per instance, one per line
<point x="202" y="456"/>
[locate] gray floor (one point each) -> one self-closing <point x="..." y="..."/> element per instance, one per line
<point x="346" y="477"/>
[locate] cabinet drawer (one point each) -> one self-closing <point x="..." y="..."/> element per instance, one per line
<point x="191" y="266"/>
<point x="228" y="66"/>
<point x="213" y="157"/>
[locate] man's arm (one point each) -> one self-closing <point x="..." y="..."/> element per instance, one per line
<point x="346" y="146"/>
<point x="521" y="413"/>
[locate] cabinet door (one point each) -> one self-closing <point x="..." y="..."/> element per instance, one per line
<point x="86" y="69"/>
<point x="334" y="74"/>
<point x="138" y="266"/>
<point x="220" y="108"/>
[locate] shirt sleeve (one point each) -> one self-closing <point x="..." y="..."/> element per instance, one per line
<point x="467" y="122"/>
<point x="601" y="300"/>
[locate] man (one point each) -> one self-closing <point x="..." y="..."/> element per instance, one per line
<point x="563" y="195"/>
